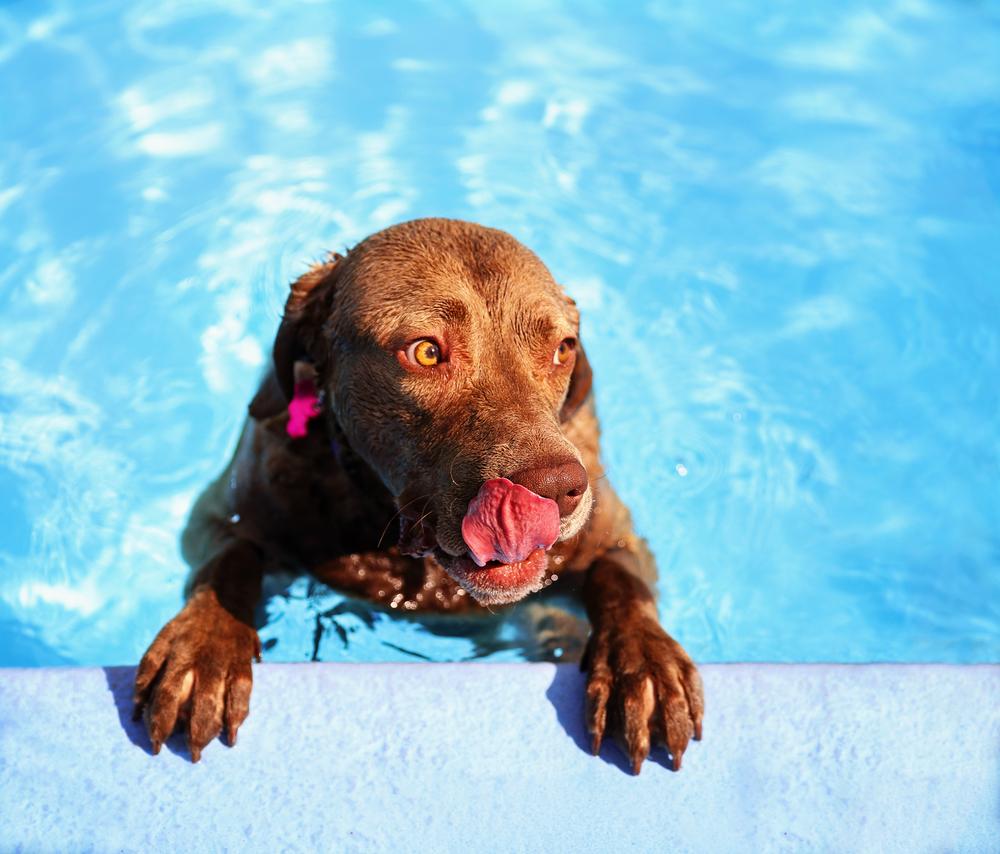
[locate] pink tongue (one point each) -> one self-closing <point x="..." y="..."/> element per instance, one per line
<point x="506" y="522"/>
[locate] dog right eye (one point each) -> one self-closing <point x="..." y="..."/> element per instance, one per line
<point x="424" y="352"/>
<point x="564" y="351"/>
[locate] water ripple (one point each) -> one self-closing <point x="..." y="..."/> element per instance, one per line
<point x="779" y="224"/>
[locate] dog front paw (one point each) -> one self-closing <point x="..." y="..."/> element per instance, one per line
<point x="642" y="687"/>
<point x="197" y="671"/>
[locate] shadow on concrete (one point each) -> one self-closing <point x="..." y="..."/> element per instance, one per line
<point x="566" y="694"/>
<point x="119" y="681"/>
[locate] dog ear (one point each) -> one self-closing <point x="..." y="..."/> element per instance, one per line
<point x="294" y="338"/>
<point x="269" y="400"/>
<point x="580" y="382"/>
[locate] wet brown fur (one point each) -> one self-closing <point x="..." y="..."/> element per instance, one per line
<point x="393" y="441"/>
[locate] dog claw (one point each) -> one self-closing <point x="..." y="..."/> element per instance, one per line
<point x="637" y="754"/>
<point x="156" y="744"/>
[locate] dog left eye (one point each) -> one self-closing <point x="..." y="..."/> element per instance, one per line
<point x="424" y="352"/>
<point x="563" y="351"/>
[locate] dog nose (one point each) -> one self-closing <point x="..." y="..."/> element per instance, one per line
<point x="562" y="482"/>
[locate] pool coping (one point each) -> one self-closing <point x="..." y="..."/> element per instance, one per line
<point x="372" y="757"/>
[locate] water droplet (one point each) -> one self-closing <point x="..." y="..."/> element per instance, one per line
<point x="234" y="518"/>
<point x="681" y="469"/>
<point x="557" y="652"/>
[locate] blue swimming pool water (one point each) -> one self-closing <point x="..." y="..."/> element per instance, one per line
<point x="781" y="222"/>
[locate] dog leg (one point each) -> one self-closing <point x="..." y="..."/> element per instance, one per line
<point x="198" y="668"/>
<point x="642" y="687"/>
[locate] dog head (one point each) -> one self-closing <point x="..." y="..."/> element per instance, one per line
<point x="451" y="361"/>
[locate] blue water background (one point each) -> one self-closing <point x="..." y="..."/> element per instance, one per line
<point x="779" y="219"/>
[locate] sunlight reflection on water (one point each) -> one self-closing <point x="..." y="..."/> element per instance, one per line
<point x="780" y="226"/>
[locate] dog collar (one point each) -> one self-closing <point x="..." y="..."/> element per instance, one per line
<point x="306" y="405"/>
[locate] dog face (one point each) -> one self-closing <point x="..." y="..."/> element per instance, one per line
<point x="450" y="358"/>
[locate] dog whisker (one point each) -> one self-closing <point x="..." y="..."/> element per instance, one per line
<point x="396" y="515"/>
<point x="451" y="468"/>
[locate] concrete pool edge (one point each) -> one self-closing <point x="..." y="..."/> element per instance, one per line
<point x="490" y="756"/>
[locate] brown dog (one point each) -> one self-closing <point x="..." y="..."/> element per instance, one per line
<point x="454" y="394"/>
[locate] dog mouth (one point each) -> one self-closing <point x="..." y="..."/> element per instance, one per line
<point x="508" y="531"/>
<point x="497" y="583"/>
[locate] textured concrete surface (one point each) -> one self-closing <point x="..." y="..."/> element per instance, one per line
<point x="490" y="758"/>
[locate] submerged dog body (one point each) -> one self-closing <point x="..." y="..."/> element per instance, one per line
<point x="454" y="397"/>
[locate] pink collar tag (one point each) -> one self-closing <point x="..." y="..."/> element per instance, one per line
<point x="304" y="405"/>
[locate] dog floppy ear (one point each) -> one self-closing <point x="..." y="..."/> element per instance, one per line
<point x="294" y="338"/>
<point x="580" y="382"/>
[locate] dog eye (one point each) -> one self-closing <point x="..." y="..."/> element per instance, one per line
<point x="424" y="352"/>
<point x="563" y="351"/>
